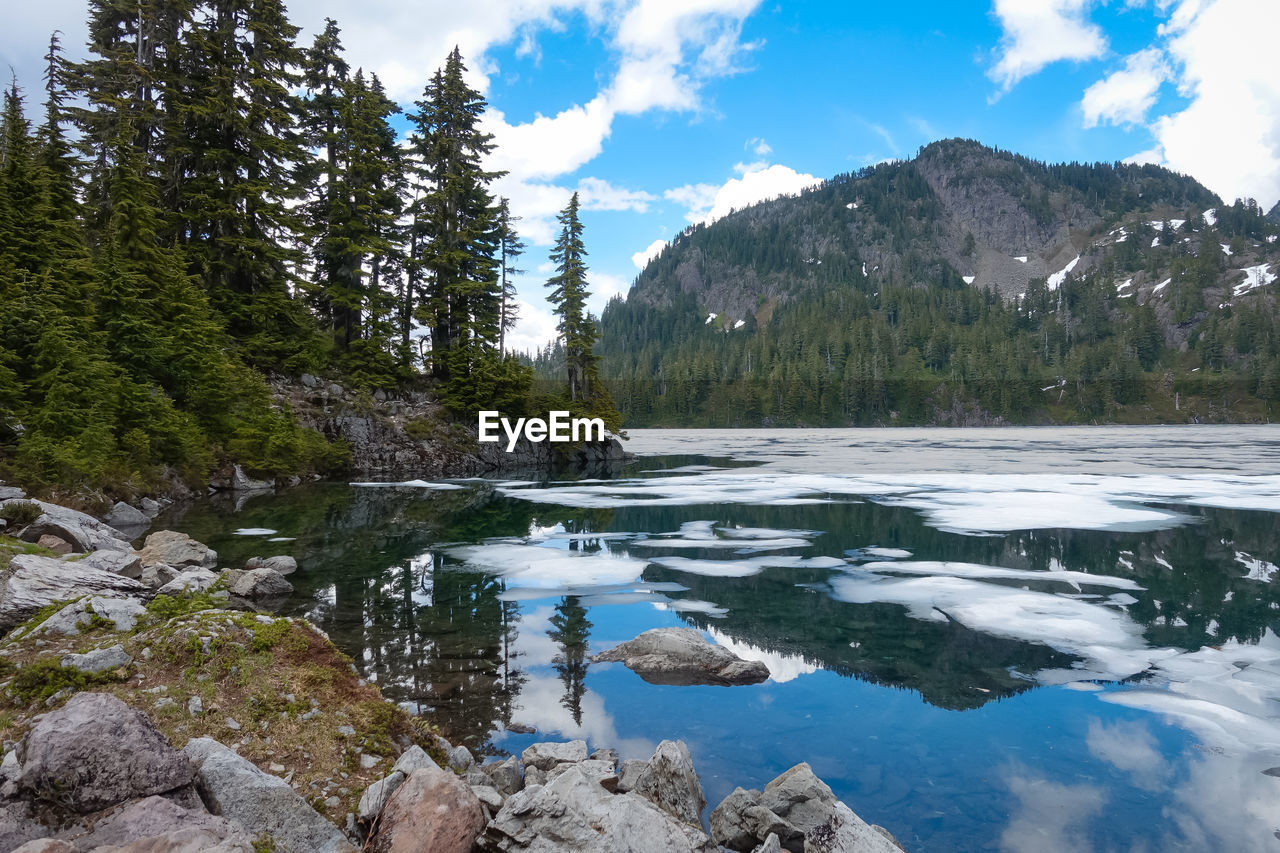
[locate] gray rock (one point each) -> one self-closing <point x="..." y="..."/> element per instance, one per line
<point x="10" y="768"/>
<point x="177" y="550"/>
<point x="281" y="565"/>
<point x="573" y="814"/>
<point x="149" y="507"/>
<point x="46" y="845"/>
<point x="189" y="582"/>
<point x="99" y="660"/>
<point x="829" y="826"/>
<point x="257" y="583"/>
<point x="127" y="563"/>
<point x="234" y="788"/>
<point x="157" y="818"/>
<point x="157" y="575"/>
<point x="123" y="613"/>
<point x="376" y="795"/>
<point x="309" y="381"/>
<point x="507" y="776"/>
<point x="195" y="706"/>
<point x="32" y="582"/>
<point x="546" y="755"/>
<point x="605" y="755"/>
<point x="83" y="531"/>
<point x="413" y="758"/>
<point x="604" y="772"/>
<point x="55" y="544"/>
<point x="488" y="796"/>
<point x="101" y="752"/>
<point x="368" y="760"/>
<point x="682" y="656"/>
<point x="671" y="783"/>
<point x="460" y="759"/>
<point x="740" y="823"/>
<point x="239" y="481"/>
<point x="18" y="826"/>
<point x="629" y="773"/>
<point x="11" y="493"/>
<point x="533" y="777"/>
<point x="124" y="517"/>
<point x="770" y="845"/>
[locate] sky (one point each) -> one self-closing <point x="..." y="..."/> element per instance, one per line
<point x="663" y="113"/>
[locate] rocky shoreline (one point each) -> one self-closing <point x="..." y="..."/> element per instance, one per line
<point x="149" y="701"/>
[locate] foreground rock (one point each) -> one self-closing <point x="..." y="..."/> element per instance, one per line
<point x="95" y="752"/>
<point x="256" y="583"/>
<point x="234" y="788"/>
<point x="122" y="613"/>
<point x="802" y="813"/>
<point x="432" y="809"/>
<point x="574" y="814"/>
<point x="177" y="550"/>
<point x="670" y="783"/>
<point x="84" y="532"/>
<point x="159" y="825"/>
<point x="682" y="656"/>
<point x="32" y="582"/>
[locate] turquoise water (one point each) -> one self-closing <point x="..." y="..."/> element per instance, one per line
<point x="982" y="640"/>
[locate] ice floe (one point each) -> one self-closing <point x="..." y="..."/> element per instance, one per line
<point x="747" y="566"/>
<point x="414" y="484"/>
<point x="254" y="531"/>
<point x="530" y="565"/>
<point x="974" y="570"/>
<point x="877" y="553"/>
<point x="1055" y="281"/>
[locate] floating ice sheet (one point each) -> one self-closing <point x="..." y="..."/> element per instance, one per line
<point x="878" y="553"/>
<point x="973" y="570"/>
<point x="254" y="531"/>
<point x="530" y="565"/>
<point x="424" y="484"/>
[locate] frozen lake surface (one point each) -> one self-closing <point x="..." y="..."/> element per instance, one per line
<point x="993" y="639"/>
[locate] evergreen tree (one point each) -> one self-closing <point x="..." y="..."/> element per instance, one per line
<point x="510" y="248"/>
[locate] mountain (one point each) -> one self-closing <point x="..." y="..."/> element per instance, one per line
<point x="958" y="287"/>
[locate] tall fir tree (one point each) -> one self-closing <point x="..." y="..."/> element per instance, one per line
<point x="510" y="248"/>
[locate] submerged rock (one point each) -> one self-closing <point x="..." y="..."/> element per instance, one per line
<point x="234" y="788"/>
<point x="682" y="656"/>
<point x="433" y="807"/>
<point x="32" y="582"/>
<point x="281" y="565"/>
<point x="100" y="752"/>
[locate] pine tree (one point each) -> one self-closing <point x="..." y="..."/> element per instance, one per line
<point x="569" y="298"/>
<point x="453" y="284"/>
<point x="510" y="248"/>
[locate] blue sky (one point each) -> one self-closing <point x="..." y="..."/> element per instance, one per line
<point x="665" y="112"/>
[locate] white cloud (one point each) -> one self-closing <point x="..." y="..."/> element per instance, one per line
<point x="1040" y="32"/>
<point x="758" y="182"/>
<point x="641" y="258"/>
<point x="1229" y="135"/>
<point x="597" y="194"/>
<point x="759" y="147"/>
<point x="536" y="328"/>
<point x="1127" y="95"/>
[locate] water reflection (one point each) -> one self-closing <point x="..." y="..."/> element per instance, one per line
<point x="482" y="609"/>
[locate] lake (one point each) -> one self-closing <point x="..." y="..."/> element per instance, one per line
<point x="1010" y="639"/>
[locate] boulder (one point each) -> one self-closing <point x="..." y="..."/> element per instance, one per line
<point x="413" y="758"/>
<point x="188" y="582"/>
<point x="280" y="565"/>
<point x="124" y="517"/>
<point x="671" y="784"/>
<point x="740" y="823"/>
<point x="11" y="493"/>
<point x="433" y="804"/>
<point x="45" y="845"/>
<point x="157" y="824"/>
<point x="236" y="789"/>
<point x="126" y="563"/>
<point x="257" y="583"/>
<point x="149" y="507"/>
<point x="99" y="660"/>
<point x="682" y="656"/>
<point x="829" y="826"/>
<point x="32" y="582"/>
<point x="123" y="613"/>
<point x="238" y="481"/>
<point x="488" y="797"/>
<point x="376" y="795"/>
<point x="770" y="845"/>
<point x="629" y="773"/>
<point x="55" y="544"/>
<point x="178" y="550"/>
<point x="460" y="759"/>
<point x="18" y="826"/>
<point x="98" y="752"/>
<point x="546" y="755"/>
<point x="604" y="772"/>
<point x="157" y="575"/>
<point x="507" y="776"/>
<point x="573" y="814"/>
<point x="83" y="531"/>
